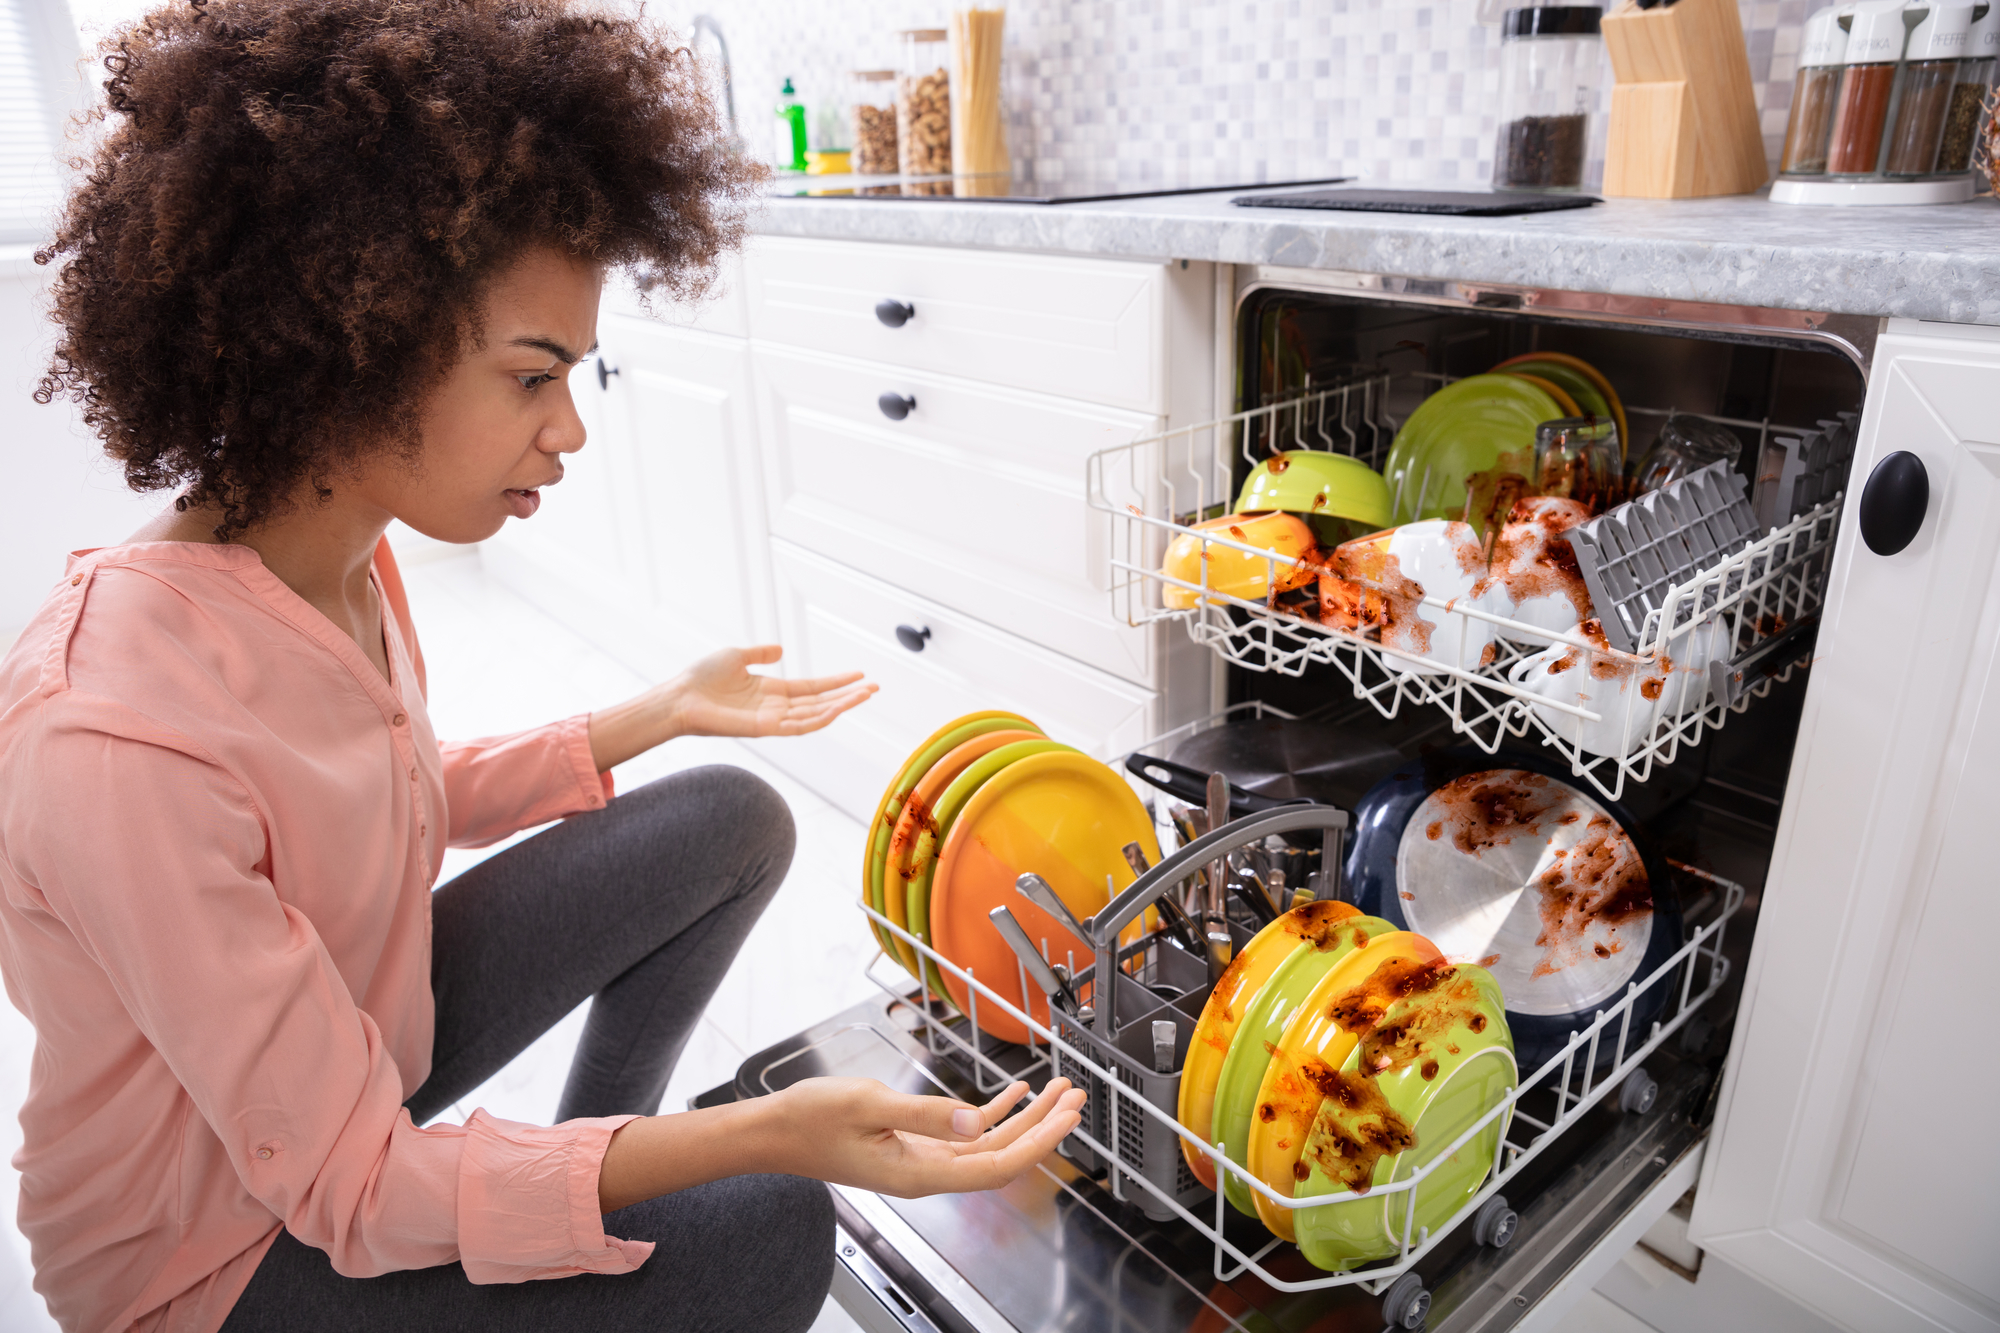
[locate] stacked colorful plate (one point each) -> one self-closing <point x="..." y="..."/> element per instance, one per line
<point x="981" y="802"/>
<point x="1338" y="1055"/>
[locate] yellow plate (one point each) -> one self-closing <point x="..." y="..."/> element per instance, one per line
<point x="1302" y="927"/>
<point x="1305" y="1066"/>
<point x="890" y="807"/>
<point x="1065" y="817"/>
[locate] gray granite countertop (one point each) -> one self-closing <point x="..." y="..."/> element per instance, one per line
<point x="1939" y="262"/>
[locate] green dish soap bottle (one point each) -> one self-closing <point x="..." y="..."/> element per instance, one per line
<point x="791" y="131"/>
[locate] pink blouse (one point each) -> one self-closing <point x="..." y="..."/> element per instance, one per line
<point x="218" y="830"/>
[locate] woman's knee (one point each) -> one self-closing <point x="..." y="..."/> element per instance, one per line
<point x="723" y="814"/>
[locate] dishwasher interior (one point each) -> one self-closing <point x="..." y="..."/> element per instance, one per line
<point x="1074" y="1245"/>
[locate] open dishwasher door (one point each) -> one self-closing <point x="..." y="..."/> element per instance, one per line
<point x="1056" y="1251"/>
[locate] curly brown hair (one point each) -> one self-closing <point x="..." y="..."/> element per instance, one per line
<point x="284" y="235"/>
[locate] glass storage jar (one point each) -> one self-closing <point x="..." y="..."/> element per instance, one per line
<point x="871" y="125"/>
<point x="1875" y="36"/>
<point x="1974" y="76"/>
<point x="1821" y="54"/>
<point x="923" y="104"/>
<point x="1924" y="84"/>
<point x="1551" y="65"/>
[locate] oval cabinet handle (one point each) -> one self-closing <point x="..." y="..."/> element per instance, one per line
<point x="896" y="406"/>
<point x="1893" y="502"/>
<point x="604" y="374"/>
<point x="893" y="313"/>
<point x="913" y="638"/>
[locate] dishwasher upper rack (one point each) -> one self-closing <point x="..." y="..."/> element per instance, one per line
<point x="1752" y="607"/>
<point x="1572" y="1075"/>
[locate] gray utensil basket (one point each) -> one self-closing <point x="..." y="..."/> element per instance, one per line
<point x="1154" y="980"/>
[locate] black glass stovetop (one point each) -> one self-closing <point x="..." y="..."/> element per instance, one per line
<point x="1028" y="188"/>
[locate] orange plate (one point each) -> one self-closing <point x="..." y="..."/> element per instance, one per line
<point x="917" y="816"/>
<point x="1064" y="816"/>
<point x="1307" y="1061"/>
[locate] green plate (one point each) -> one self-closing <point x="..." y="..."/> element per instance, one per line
<point x="923" y="857"/>
<point x="1571" y="381"/>
<point x="891" y="809"/>
<point x="1470" y="1072"/>
<point x="1263" y="1023"/>
<point x="1463" y="429"/>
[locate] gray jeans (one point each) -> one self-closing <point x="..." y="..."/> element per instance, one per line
<point x="642" y="905"/>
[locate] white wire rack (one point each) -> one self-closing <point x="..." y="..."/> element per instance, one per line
<point x="1685" y="981"/>
<point x="1152" y="490"/>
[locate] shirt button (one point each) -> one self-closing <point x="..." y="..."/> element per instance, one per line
<point x="264" y="1154"/>
<point x="78" y="579"/>
<point x="413" y="775"/>
<point x="398" y="720"/>
<point x="423" y="830"/>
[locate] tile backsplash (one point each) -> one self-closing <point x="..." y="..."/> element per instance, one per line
<point x="1195" y="91"/>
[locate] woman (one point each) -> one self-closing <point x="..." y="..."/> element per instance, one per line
<point x="333" y="265"/>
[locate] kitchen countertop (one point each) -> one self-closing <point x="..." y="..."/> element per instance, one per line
<point x="1939" y="262"/>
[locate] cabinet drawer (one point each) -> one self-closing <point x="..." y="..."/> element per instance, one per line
<point x="835" y="619"/>
<point x="975" y="499"/>
<point x="1078" y="328"/>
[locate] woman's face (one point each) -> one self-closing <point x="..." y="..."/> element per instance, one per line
<point x="495" y="430"/>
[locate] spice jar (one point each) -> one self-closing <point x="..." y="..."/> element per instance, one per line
<point x="923" y="104"/>
<point x="1875" y="35"/>
<point x="872" y="122"/>
<point x="1974" y="76"/>
<point x="1923" y="90"/>
<point x="1821" y="55"/>
<point x="1551" y="63"/>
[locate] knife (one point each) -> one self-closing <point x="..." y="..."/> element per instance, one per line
<point x="1037" y="967"/>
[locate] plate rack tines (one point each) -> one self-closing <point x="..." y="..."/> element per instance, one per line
<point x="1747" y="616"/>
<point x="1576" y="1080"/>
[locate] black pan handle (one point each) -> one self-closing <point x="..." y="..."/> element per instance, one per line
<point x="1191" y="785"/>
<point x="1893" y="502"/>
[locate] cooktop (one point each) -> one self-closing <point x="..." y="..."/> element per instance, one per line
<point x="1024" y="189"/>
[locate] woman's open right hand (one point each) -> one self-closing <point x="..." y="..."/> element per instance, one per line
<point x="849" y="1131"/>
<point x="908" y="1146"/>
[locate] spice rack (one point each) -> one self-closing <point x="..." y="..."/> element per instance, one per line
<point x="1745" y="619"/>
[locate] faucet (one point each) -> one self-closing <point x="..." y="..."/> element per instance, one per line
<point x="706" y="23"/>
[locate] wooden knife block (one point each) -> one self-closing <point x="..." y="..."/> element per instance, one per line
<point x="1683" y="112"/>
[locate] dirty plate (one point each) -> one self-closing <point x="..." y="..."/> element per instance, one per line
<point x="1475" y="426"/>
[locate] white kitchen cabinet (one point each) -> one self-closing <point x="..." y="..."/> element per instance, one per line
<point x="833" y="618"/>
<point x="974" y="499"/>
<point x="1855" y="1164"/>
<point x="654" y="545"/>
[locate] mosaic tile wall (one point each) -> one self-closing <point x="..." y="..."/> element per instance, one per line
<point x="1192" y="90"/>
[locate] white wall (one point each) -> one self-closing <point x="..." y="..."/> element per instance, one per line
<point x="62" y="494"/>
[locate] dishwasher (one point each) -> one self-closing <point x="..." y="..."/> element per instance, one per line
<point x="1115" y="1233"/>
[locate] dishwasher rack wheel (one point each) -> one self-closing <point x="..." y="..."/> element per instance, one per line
<point x="1406" y="1304"/>
<point x="1495" y="1223"/>
<point x="1638" y="1092"/>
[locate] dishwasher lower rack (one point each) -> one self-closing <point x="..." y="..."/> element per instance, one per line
<point x="1131" y="1133"/>
<point x="1720" y="638"/>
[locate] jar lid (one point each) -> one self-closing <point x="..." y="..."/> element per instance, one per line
<point x="1825" y="41"/>
<point x="924" y="34"/>
<point x="1985" y="39"/>
<point x="874" y="75"/>
<point x="1942" y="34"/>
<point x="1552" y="21"/>
<point x="1875" y="32"/>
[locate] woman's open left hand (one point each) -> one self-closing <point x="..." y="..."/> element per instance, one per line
<point x="721" y="696"/>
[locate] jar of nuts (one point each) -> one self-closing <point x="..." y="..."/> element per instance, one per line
<point x="872" y="124"/>
<point x="923" y="104"/>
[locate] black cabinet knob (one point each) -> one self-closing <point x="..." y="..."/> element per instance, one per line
<point x="896" y="406"/>
<point x="894" y="313"/>
<point x="1893" y="502"/>
<point x="604" y="374"/>
<point x="913" y="638"/>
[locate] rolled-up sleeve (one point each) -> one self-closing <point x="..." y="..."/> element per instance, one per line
<point x="502" y="784"/>
<point x="159" y="872"/>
